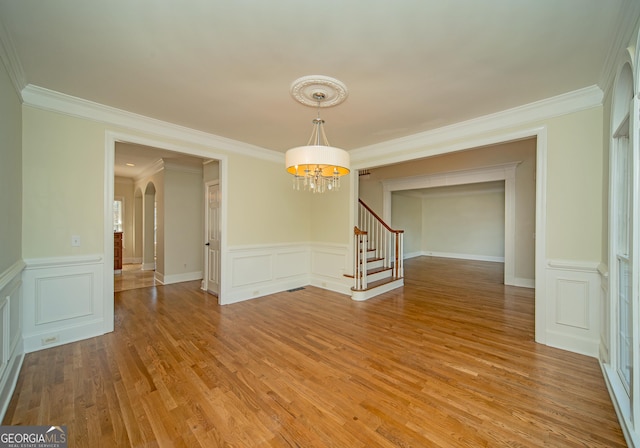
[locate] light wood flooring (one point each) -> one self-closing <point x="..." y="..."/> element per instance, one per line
<point x="133" y="277"/>
<point x="447" y="361"/>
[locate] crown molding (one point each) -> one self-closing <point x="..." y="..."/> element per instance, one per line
<point x="394" y="151"/>
<point x="152" y="169"/>
<point x="629" y="20"/>
<point x="50" y="100"/>
<point x="10" y="60"/>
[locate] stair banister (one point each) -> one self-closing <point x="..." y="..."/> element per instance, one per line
<point x="361" y="244"/>
<point x="375" y="234"/>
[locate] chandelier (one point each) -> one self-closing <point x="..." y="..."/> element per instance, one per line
<point x="317" y="167"/>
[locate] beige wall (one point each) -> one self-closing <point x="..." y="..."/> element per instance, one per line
<point x="574" y="208"/>
<point x="183" y="221"/>
<point x="329" y="214"/>
<point x="263" y="207"/>
<point x="575" y="203"/>
<point x="406" y="214"/>
<point x="64" y="164"/>
<point x="63" y="184"/>
<point x="10" y="173"/>
<point x="465" y="221"/>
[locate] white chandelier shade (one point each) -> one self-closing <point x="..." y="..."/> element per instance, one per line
<point x="317" y="167"/>
<point x="330" y="160"/>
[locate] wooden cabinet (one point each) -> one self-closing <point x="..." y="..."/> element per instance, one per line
<point x="117" y="252"/>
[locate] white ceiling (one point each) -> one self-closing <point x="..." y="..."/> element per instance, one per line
<point x="225" y="67"/>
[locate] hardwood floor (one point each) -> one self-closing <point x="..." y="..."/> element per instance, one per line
<point x="447" y="361"/>
<point x="133" y="277"/>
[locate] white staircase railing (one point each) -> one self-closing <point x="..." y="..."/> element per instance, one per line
<point x="374" y="235"/>
<point x="360" y="268"/>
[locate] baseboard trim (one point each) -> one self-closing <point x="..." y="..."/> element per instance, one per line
<point x="60" y="336"/>
<point x="178" y="278"/>
<point x="475" y="257"/>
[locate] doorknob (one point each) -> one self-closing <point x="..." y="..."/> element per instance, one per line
<point x="206" y="244"/>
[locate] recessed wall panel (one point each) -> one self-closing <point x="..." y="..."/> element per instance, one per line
<point x="572" y="305"/>
<point x="64" y="297"/>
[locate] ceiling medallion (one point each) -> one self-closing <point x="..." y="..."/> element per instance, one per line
<point x="317" y="166"/>
<point x="308" y="89"/>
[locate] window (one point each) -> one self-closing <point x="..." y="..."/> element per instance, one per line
<point x="118" y="214"/>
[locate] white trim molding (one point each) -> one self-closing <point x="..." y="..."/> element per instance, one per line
<point x="178" y="278"/>
<point x="259" y="270"/>
<point x="329" y="264"/>
<point x="439" y="140"/>
<point x="63" y="301"/>
<point x="572" y="309"/>
<point x="11" y="339"/>
<point x="50" y="100"/>
<point x="11" y="61"/>
<point x="10" y="274"/>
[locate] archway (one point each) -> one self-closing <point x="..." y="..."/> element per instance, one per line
<point x="149" y="228"/>
<point x="137" y="225"/>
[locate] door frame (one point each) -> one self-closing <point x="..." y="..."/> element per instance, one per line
<point x="470" y="142"/>
<point x="113" y="137"/>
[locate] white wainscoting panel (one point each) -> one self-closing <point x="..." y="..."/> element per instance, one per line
<point x="251" y="269"/>
<point x="11" y="343"/>
<point x="573" y="302"/>
<point x="292" y="264"/>
<point x="256" y="271"/>
<point x="63" y="300"/>
<point x="328" y="267"/>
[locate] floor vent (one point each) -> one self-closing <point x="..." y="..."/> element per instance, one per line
<point x="295" y="289"/>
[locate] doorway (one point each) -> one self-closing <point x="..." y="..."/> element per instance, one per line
<point x="114" y="138"/>
<point x="479" y="152"/>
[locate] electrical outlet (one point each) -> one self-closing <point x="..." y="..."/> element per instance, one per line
<point x="75" y="240"/>
<point x="50" y="339"/>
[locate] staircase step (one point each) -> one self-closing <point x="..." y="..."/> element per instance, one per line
<point x="369" y="260"/>
<point x="376" y="288"/>
<point x="376" y="274"/>
<point x="377" y="270"/>
<point x="375" y="263"/>
<point x="373" y="285"/>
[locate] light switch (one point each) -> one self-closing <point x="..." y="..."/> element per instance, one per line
<point x="75" y="240"/>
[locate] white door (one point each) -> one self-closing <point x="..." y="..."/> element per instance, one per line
<point x="212" y="243"/>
